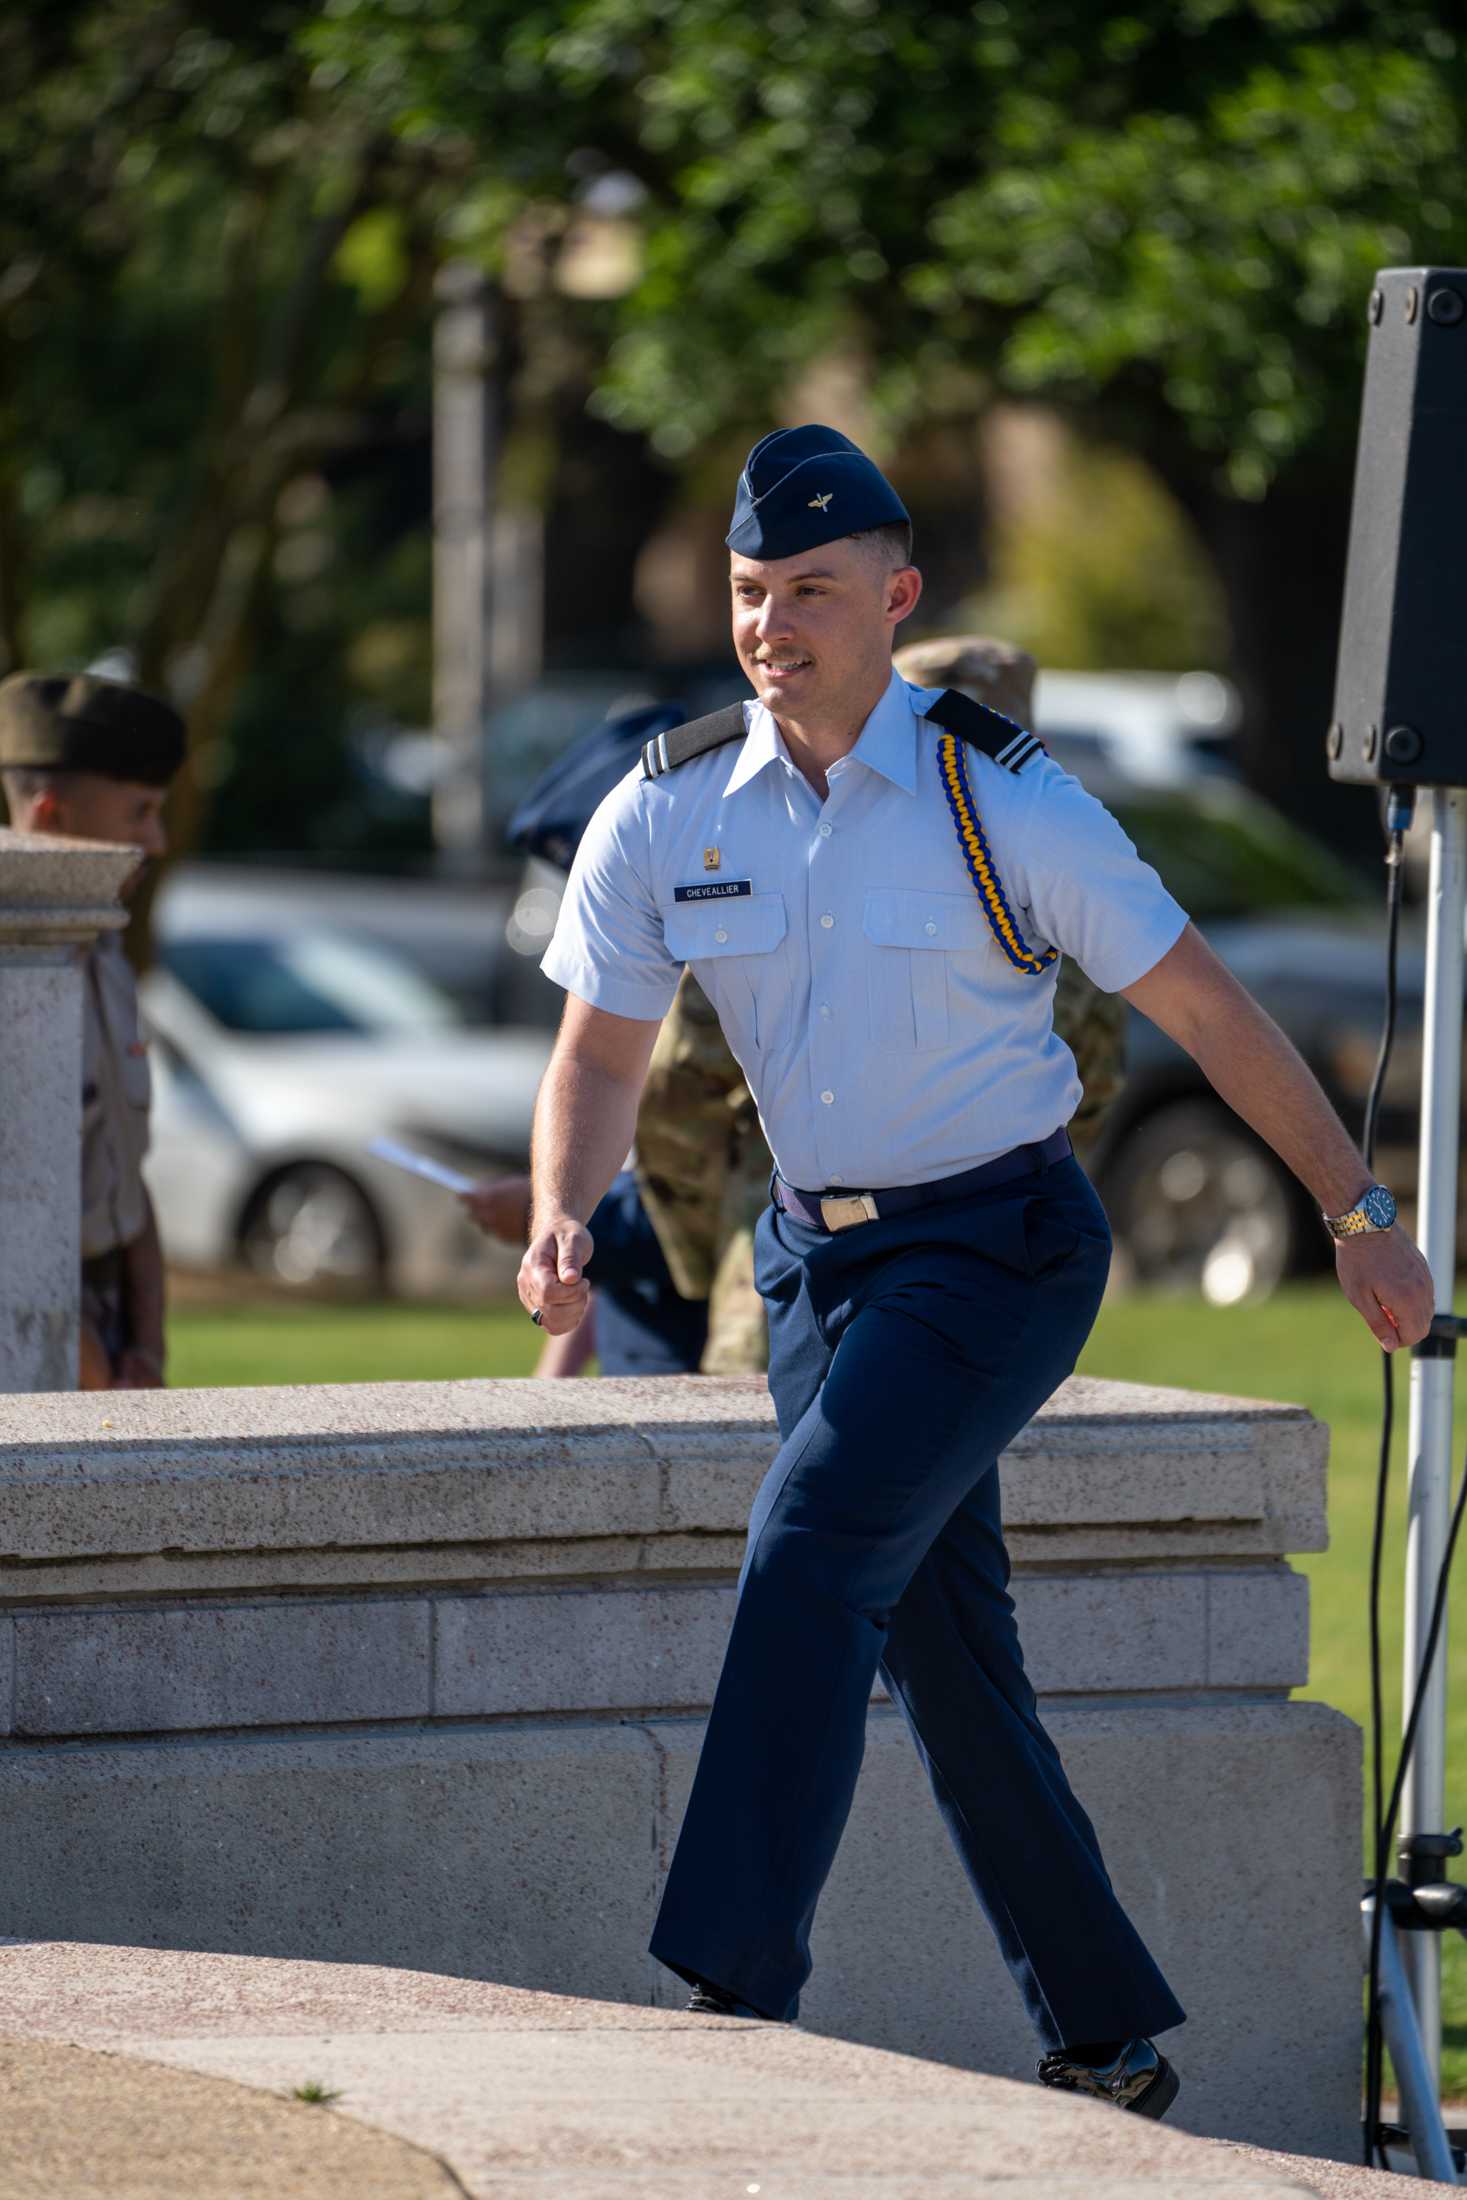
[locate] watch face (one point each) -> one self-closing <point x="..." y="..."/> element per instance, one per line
<point x="1378" y="1207"/>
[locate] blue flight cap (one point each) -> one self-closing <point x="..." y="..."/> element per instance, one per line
<point x="804" y="486"/>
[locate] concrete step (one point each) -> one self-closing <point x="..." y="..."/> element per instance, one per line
<point x="547" y="2097"/>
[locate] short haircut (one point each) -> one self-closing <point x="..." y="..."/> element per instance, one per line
<point x="28" y="782"/>
<point x="892" y="544"/>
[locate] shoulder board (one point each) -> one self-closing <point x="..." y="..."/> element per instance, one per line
<point x="1007" y="743"/>
<point x="667" y="750"/>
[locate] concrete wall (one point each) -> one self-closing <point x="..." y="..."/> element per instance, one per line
<point x="415" y="1674"/>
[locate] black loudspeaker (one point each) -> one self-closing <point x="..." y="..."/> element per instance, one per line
<point x="1400" y="710"/>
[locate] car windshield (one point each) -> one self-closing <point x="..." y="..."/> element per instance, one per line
<point x="307" y="982"/>
<point x="1224" y="855"/>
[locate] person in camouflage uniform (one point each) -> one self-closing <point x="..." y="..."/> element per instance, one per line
<point x="703" y="1171"/>
<point x="703" y="1167"/>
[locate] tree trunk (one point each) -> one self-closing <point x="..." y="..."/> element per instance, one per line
<point x="1281" y="563"/>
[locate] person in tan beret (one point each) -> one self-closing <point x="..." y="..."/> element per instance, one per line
<point x="92" y="759"/>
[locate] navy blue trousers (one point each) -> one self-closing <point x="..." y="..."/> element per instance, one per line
<point x="643" y="1325"/>
<point x="905" y="1355"/>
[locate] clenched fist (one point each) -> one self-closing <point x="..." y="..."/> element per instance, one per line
<point x="552" y="1278"/>
<point x="1389" y="1285"/>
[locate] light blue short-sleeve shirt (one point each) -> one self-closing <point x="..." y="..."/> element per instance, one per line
<point x="885" y="1035"/>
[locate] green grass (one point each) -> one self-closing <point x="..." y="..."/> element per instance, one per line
<point x="314" y="2093"/>
<point x="318" y="1343"/>
<point x="1308" y="1346"/>
<point x="1305" y="1345"/>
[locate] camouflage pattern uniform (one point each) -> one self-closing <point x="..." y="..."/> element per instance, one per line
<point x="703" y="1171"/>
<point x="115" y="1097"/>
<point x="702" y="1165"/>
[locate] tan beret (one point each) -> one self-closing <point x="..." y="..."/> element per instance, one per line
<point x="78" y="723"/>
<point x="992" y="672"/>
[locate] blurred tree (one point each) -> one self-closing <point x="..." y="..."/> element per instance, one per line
<point x="1162" y="213"/>
<point x="215" y="283"/>
<point x="1138" y="591"/>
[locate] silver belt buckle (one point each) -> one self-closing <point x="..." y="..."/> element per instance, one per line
<point x="843" y="1214"/>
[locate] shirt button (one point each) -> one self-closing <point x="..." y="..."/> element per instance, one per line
<point x="836" y="1177"/>
<point x="826" y="921"/>
<point x="825" y="832"/>
<point x="825" y="1008"/>
<point x="721" y="935"/>
<point x="929" y="929"/>
<point x="828" y="1098"/>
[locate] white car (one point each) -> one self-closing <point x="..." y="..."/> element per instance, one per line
<point x="281" y="1046"/>
<point x="1147" y="729"/>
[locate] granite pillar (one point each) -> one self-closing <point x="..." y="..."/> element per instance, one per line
<point x="55" y="897"/>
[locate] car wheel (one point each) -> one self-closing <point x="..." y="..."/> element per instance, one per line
<point x="1197" y="1204"/>
<point x="312" y="1228"/>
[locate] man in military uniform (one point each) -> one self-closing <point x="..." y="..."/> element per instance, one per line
<point x="702" y="1162"/>
<point x="873" y="882"/>
<point x="92" y="759"/>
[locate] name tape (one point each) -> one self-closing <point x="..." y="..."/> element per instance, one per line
<point x="724" y="889"/>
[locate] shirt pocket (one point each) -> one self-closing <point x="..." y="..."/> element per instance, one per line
<point x="913" y="938"/>
<point x="736" y="950"/>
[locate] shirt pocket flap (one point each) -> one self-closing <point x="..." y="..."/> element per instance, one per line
<point x="896" y="917"/>
<point x="747" y="924"/>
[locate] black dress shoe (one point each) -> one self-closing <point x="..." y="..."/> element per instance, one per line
<point x="712" y="2001"/>
<point x="1139" y="2079"/>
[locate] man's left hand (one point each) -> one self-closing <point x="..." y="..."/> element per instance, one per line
<point x="1389" y="1285"/>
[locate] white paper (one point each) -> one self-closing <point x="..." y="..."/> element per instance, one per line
<point x="420" y="1164"/>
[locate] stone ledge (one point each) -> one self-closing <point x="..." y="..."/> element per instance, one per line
<point x="55" y="891"/>
<point x="1106" y="1470"/>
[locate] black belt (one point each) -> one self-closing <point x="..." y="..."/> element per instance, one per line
<point x="842" y="1210"/>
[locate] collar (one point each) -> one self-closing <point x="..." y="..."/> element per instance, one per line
<point x="887" y="743"/>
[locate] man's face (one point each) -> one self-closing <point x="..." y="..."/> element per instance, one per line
<point x="89" y="806"/>
<point x="814" y="629"/>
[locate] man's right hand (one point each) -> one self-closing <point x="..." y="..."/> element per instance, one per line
<point x="552" y="1275"/>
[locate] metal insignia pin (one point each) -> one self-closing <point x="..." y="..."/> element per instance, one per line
<point x="818" y="504"/>
<point x="711" y="859"/>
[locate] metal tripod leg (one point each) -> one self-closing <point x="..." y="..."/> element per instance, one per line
<point x="1423" y="1804"/>
<point x="1420" y="2108"/>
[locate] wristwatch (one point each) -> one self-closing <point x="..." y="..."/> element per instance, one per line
<point x="1375" y="1209"/>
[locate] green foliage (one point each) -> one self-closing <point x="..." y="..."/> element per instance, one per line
<point x="213" y="291"/>
<point x="1104" y="571"/>
<point x="1175" y="207"/>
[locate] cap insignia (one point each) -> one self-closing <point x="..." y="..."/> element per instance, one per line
<point x="818" y="504"/>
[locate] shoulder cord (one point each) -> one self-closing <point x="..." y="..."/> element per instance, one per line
<point x="953" y="766"/>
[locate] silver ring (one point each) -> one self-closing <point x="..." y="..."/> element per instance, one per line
<point x="537" y="1317"/>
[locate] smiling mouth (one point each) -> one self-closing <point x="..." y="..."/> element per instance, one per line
<point x="780" y="667"/>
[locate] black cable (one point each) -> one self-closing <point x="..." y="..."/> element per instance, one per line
<point x="1374" y="2059"/>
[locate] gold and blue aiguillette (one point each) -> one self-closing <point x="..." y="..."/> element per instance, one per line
<point x="979" y="860"/>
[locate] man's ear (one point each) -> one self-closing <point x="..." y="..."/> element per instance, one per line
<point x="902" y="591"/>
<point x="48" y="812"/>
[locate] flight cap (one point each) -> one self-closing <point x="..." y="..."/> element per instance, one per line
<point x="801" y="487"/>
